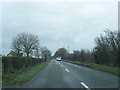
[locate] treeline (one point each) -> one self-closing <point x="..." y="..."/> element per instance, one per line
<point x="28" y="45"/>
<point x="106" y="51"/>
<point x="13" y="64"/>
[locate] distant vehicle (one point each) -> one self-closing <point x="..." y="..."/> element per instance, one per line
<point x="58" y="58"/>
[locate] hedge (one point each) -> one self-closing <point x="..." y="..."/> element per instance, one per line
<point x="12" y="64"/>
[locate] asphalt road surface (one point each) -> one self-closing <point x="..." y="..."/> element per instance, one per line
<point x="59" y="74"/>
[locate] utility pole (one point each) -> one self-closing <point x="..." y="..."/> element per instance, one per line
<point x="68" y="49"/>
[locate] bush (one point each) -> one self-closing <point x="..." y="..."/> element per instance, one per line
<point x="12" y="64"/>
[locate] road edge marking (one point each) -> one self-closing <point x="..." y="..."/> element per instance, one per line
<point x="85" y="86"/>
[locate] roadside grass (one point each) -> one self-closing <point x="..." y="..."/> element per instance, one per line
<point x="0" y="72"/>
<point x="23" y="75"/>
<point x="113" y="70"/>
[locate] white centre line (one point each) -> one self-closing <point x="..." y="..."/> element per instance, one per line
<point x="67" y="70"/>
<point x="61" y="65"/>
<point x="85" y="86"/>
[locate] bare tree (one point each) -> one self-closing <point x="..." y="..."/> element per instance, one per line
<point x="107" y="48"/>
<point x="76" y="54"/>
<point x="45" y="52"/>
<point x="16" y="46"/>
<point x="37" y="53"/>
<point x="25" y="43"/>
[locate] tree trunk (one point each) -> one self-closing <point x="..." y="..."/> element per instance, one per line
<point x="27" y="55"/>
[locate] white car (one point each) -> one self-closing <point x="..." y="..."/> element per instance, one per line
<point x="58" y="58"/>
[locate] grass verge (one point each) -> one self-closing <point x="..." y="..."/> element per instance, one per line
<point x="113" y="70"/>
<point x="0" y="72"/>
<point x="22" y="76"/>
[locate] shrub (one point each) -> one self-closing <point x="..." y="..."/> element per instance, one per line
<point x="12" y="64"/>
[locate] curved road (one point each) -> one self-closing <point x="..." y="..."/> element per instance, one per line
<point x="59" y="74"/>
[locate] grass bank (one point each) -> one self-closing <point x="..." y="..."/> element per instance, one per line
<point x="113" y="70"/>
<point x="24" y="75"/>
<point x="0" y="72"/>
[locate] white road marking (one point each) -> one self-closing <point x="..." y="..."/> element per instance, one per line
<point x="85" y="86"/>
<point x="61" y="65"/>
<point x="67" y="70"/>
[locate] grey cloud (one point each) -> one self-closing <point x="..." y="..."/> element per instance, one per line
<point x="58" y="24"/>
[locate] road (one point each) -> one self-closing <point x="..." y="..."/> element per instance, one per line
<point x="59" y="74"/>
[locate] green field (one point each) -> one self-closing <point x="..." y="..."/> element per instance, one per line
<point x="113" y="70"/>
<point x="24" y="75"/>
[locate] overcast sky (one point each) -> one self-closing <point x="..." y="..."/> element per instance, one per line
<point x="58" y="24"/>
